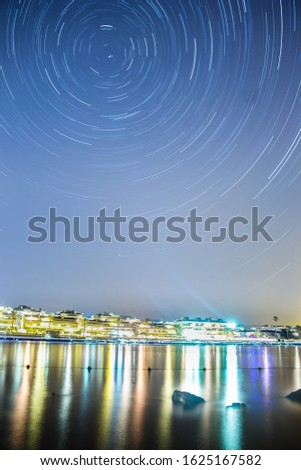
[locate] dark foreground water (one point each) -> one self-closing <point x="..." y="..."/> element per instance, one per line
<point x="120" y="405"/>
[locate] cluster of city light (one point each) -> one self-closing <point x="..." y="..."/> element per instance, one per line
<point x="25" y="322"/>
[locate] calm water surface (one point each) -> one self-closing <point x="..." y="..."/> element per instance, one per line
<point x="120" y="405"/>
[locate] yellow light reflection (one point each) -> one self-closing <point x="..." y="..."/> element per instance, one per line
<point x="107" y="399"/>
<point x="37" y="399"/>
<point x="164" y="422"/>
<point x="21" y="410"/>
<point x="140" y="394"/>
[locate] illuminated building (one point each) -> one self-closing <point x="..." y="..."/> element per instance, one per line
<point x="203" y="328"/>
<point x="7" y="320"/>
<point x="24" y="321"/>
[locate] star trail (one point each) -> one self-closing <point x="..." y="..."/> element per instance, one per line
<point x="157" y="107"/>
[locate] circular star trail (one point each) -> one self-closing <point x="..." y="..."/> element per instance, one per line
<point x="197" y="91"/>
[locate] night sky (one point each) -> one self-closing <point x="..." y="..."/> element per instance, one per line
<point x="156" y="107"/>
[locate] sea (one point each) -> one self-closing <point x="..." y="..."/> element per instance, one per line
<point x="119" y="396"/>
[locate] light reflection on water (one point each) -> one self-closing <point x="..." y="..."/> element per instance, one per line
<point x="59" y="403"/>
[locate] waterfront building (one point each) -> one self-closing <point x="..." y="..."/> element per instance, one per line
<point x="31" y="321"/>
<point x="7" y="320"/>
<point x="156" y="330"/>
<point x="26" y="321"/>
<point x="203" y="328"/>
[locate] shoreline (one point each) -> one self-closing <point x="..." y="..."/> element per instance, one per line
<point x="180" y="342"/>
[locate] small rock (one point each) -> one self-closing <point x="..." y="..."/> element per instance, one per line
<point x="295" y="396"/>
<point x="188" y="400"/>
<point x="237" y="405"/>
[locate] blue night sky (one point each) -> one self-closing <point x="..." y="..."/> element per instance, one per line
<point x="156" y="107"/>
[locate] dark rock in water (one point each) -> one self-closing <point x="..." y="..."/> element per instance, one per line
<point x="295" y="396"/>
<point x="237" y="405"/>
<point x="188" y="400"/>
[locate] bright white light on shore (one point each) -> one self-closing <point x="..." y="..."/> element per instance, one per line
<point x="231" y="325"/>
<point x="192" y="334"/>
